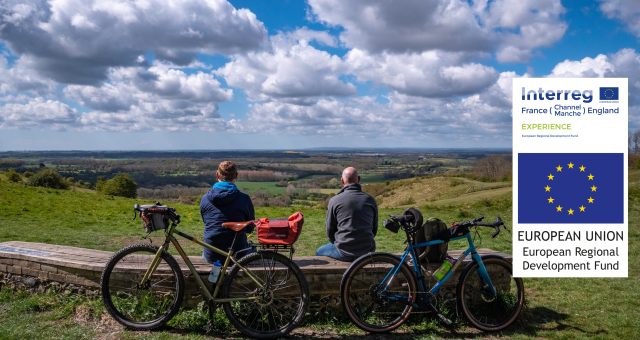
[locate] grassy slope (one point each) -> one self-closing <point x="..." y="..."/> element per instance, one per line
<point x="560" y="308"/>
<point x="104" y="222"/>
<point x="457" y="190"/>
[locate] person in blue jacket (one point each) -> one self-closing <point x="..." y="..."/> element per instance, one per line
<point x="225" y="203"/>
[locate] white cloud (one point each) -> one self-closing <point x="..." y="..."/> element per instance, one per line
<point x="38" y="113"/>
<point x="623" y="64"/>
<point x="511" y="28"/>
<point x="291" y="70"/>
<point x="413" y="25"/>
<point x="76" y="41"/>
<point x="428" y="74"/>
<point x="627" y="11"/>
<point x="160" y="99"/>
<point x="20" y="78"/>
<point x="413" y="118"/>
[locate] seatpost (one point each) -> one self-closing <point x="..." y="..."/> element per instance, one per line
<point x="234" y="240"/>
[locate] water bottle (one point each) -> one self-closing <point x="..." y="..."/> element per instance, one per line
<point x="444" y="268"/>
<point x="215" y="272"/>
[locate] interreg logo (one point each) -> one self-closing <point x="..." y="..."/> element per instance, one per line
<point x="586" y="96"/>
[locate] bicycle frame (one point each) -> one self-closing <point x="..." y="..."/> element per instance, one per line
<point x="229" y="255"/>
<point x="416" y="267"/>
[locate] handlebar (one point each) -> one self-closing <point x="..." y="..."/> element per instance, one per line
<point x="399" y="218"/>
<point x="496" y="225"/>
<point x="171" y="211"/>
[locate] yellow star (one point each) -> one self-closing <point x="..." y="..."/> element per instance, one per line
<point x="550" y="199"/>
<point x="559" y="168"/>
<point x="590" y="200"/>
<point x="570" y="211"/>
<point x="550" y="177"/>
<point x="547" y="188"/>
<point x="582" y="208"/>
<point x="559" y="208"/>
<point x="590" y="177"/>
<point x="570" y="165"/>
<point x="593" y="188"/>
<point x="582" y="168"/>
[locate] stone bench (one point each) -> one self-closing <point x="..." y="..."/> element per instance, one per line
<point x="38" y="266"/>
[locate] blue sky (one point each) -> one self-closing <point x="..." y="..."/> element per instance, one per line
<point x="117" y="75"/>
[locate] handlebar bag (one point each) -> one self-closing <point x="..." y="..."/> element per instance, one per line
<point x="279" y="231"/>
<point x="155" y="217"/>
<point x="456" y="230"/>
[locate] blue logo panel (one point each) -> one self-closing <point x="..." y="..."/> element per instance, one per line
<point x="571" y="188"/>
<point x="609" y="93"/>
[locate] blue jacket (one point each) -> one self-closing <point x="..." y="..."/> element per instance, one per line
<point x="224" y="203"/>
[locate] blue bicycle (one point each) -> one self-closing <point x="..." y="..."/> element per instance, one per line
<point x="380" y="290"/>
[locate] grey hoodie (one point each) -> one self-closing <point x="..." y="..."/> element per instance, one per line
<point x="352" y="221"/>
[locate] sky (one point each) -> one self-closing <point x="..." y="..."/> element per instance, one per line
<point x="251" y="74"/>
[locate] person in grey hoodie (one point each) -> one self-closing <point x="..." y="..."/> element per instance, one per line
<point x="352" y="221"/>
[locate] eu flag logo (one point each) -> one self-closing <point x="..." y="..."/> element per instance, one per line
<point x="609" y="93"/>
<point x="571" y="188"/>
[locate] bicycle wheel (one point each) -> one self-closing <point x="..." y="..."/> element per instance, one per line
<point x="141" y="307"/>
<point x="362" y="284"/>
<point x="485" y="311"/>
<point x="278" y="307"/>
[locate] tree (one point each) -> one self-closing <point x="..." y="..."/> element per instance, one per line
<point x="121" y="185"/>
<point x="100" y="184"/>
<point x="48" y="178"/>
<point x="291" y="190"/>
<point x="13" y="176"/>
<point x="493" y="166"/>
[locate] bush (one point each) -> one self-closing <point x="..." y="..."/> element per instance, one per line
<point x="28" y="174"/>
<point x="408" y="201"/>
<point x="48" y="178"/>
<point x="121" y="185"/>
<point x="13" y="176"/>
<point x="71" y="180"/>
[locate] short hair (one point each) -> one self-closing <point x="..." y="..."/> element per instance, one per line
<point x="227" y="171"/>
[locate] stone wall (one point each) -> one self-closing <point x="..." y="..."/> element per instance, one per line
<point x="37" y="267"/>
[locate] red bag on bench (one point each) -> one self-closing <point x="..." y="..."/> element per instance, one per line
<point x="284" y="231"/>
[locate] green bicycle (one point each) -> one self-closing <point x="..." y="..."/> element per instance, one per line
<point x="264" y="294"/>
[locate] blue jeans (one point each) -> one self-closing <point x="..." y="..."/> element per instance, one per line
<point x="333" y="252"/>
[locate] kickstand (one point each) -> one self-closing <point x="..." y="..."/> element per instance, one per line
<point x="212" y="310"/>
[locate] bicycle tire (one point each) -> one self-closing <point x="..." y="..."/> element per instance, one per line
<point x="279" y="308"/>
<point x="141" y="308"/>
<point x="481" y="309"/>
<point x="360" y="288"/>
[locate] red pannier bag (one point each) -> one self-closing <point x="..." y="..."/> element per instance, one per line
<point x="283" y="231"/>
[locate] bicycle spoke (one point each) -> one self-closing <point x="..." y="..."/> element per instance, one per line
<point x="277" y="304"/>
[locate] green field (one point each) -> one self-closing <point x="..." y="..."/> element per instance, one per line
<point x="557" y="308"/>
<point x="269" y="187"/>
<point x="371" y="178"/>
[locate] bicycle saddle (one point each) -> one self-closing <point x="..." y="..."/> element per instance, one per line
<point x="237" y="226"/>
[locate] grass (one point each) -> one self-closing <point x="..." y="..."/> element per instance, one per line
<point x="568" y="308"/>
<point x="270" y="187"/>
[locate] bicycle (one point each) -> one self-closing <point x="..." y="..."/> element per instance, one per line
<point x="380" y="290"/>
<point x="264" y="294"/>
